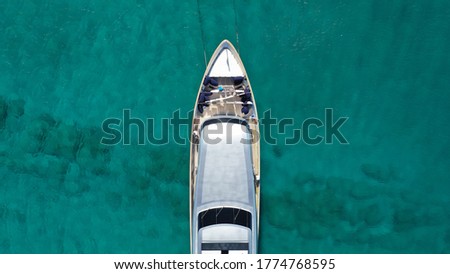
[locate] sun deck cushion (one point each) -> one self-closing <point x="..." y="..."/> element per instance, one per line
<point x="245" y="108"/>
<point x="238" y="80"/>
<point x="210" y="81"/>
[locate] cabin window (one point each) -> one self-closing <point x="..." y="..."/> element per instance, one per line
<point x="225" y="215"/>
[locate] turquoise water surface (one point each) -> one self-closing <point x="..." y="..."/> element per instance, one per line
<point x="65" y="66"/>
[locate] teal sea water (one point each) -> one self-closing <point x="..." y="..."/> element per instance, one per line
<point x="65" y="66"/>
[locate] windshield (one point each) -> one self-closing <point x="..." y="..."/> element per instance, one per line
<point x="225" y="215"/>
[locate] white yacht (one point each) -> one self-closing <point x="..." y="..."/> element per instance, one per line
<point x="224" y="159"/>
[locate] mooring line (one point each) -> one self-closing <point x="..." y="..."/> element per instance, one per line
<point x="236" y="26"/>
<point x="201" y="30"/>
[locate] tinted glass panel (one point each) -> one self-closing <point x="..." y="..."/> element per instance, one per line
<point x="225" y="215"/>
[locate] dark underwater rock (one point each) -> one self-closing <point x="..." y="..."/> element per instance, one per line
<point x="35" y="134"/>
<point x="361" y="190"/>
<point x="447" y="240"/>
<point x="406" y="219"/>
<point x="281" y="213"/>
<point x="16" y="108"/>
<point x="378" y="173"/>
<point x="372" y="215"/>
<point x="113" y="200"/>
<point x="313" y="230"/>
<point x="61" y="141"/>
<point x="277" y="150"/>
<point x="90" y="154"/>
<point x="3" y="111"/>
<point x="169" y="163"/>
<point x="76" y="187"/>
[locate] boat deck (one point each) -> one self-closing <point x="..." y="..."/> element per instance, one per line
<point x="224" y="103"/>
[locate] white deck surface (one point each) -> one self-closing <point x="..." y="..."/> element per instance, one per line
<point x="226" y="66"/>
<point x="225" y="169"/>
<point x="225" y="233"/>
